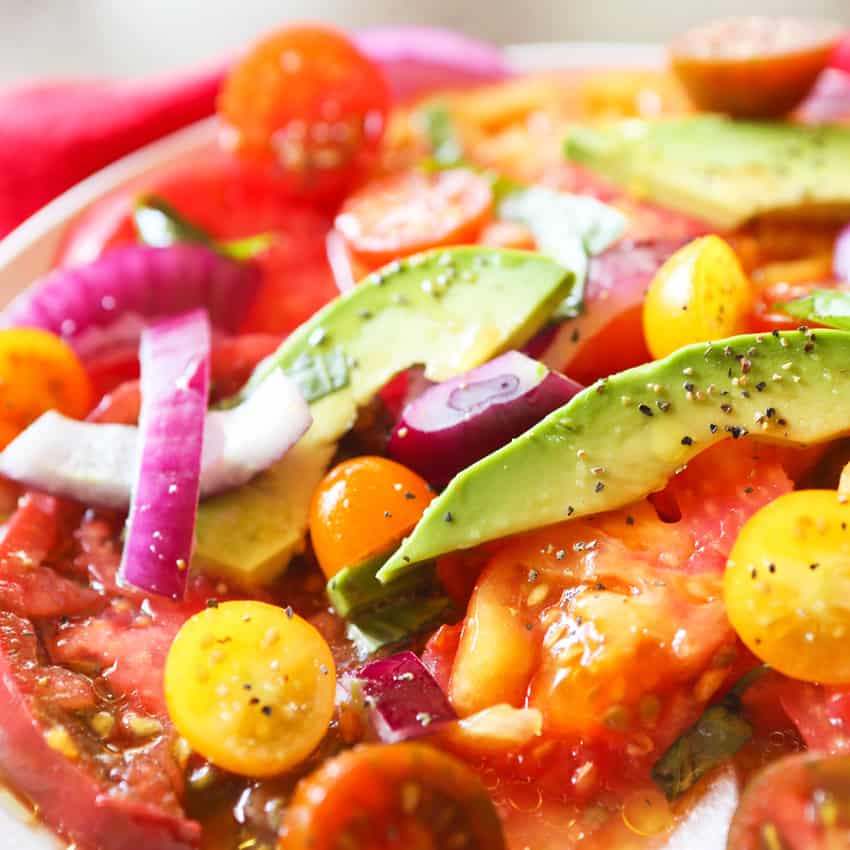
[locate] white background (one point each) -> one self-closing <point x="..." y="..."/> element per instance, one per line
<point x="134" y="37"/>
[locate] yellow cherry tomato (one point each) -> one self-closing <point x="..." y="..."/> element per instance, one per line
<point x="787" y="585"/>
<point x="38" y="372"/>
<point x="362" y="507"/>
<point x="250" y="686"/>
<point x="701" y="293"/>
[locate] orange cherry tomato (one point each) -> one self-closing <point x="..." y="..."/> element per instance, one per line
<point x="363" y="507"/>
<point x="38" y="372"/>
<point x="392" y="797"/>
<point x="307" y="102"/>
<point x="753" y="67"/>
<point x="410" y="212"/>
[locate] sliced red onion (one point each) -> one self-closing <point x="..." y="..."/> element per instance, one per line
<point x="404" y="699"/>
<point x="829" y="100"/>
<point x="175" y="379"/>
<point x="94" y="463"/>
<point x="455" y="423"/>
<point x="109" y="300"/>
<point x="617" y="281"/>
<point x="841" y="256"/>
<point x="418" y="60"/>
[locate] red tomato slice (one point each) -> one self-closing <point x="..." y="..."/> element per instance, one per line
<point x="229" y="199"/>
<point x="411" y="212"/>
<point x="306" y="101"/>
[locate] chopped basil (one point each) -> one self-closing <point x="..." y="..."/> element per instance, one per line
<point x="320" y="373"/>
<point x="395" y="623"/>
<point x="443" y="139"/>
<point x="824" y="306"/>
<point x="719" y="733"/>
<point x="569" y="228"/>
<point x="159" y="224"/>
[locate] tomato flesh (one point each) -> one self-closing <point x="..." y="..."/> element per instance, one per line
<point x="413" y="211"/>
<point x="753" y="67"/>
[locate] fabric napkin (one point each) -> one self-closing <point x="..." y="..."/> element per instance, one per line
<point x="54" y="134"/>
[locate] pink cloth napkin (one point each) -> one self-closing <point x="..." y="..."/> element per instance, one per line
<point x="54" y="134"/>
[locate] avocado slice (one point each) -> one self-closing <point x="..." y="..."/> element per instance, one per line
<point x="724" y="171"/>
<point x="624" y="437"/>
<point x="447" y="309"/>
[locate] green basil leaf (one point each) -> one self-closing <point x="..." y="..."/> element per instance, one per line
<point x="320" y="373"/>
<point x="824" y="306"/>
<point x="568" y="228"/>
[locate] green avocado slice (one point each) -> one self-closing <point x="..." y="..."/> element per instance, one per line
<point x="723" y="171"/>
<point x="449" y="310"/>
<point x="623" y="438"/>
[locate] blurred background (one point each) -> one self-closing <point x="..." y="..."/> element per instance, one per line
<point x="132" y="37"/>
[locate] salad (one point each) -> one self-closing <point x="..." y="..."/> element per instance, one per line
<point x="446" y="458"/>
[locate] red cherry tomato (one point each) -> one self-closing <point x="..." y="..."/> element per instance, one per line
<point x="307" y="101"/>
<point x="229" y="199"/>
<point x="411" y="212"/>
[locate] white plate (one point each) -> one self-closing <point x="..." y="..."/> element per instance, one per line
<point x="28" y="251"/>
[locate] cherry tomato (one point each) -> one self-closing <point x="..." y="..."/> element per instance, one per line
<point x="392" y="797"/>
<point x="787" y="582"/>
<point x="38" y="372"/>
<point x="753" y="67"/>
<point x="306" y="100"/>
<point x="229" y="199"/>
<point x="700" y="293"/>
<point x="250" y="686"/>
<point x="363" y="507"/>
<point x="801" y="802"/>
<point x="413" y="211"/>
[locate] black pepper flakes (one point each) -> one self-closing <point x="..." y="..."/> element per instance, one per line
<point x="288" y="611"/>
<point x="771" y="568"/>
<point x="663" y="406"/>
<point x="645" y="409"/>
<point x="814" y="566"/>
<point x="212" y="603"/>
<point x="687" y="441"/>
<point x="761" y="386"/>
<point x="689" y="386"/>
<point x="447" y="517"/>
<point x="630" y="520"/>
<point x="726" y="408"/>
<point x="775" y="333"/>
<point x="267" y="710"/>
<point x="408" y="495"/>
<point x="712" y="427"/>
<point x="600" y="486"/>
<point x="748" y="490"/>
<point x="570" y="510"/>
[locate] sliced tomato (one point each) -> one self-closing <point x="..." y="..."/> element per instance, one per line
<point x="820" y="712"/>
<point x="229" y="199"/>
<point x="801" y="802"/>
<point x="754" y="67"/>
<point x="392" y="797"/>
<point x="413" y="211"/>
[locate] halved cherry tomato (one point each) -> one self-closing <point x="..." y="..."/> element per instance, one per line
<point x="250" y="686"/>
<point x="700" y="293"/>
<point x="406" y="213"/>
<point x="753" y="67"/>
<point x="392" y="797"/>
<point x="363" y="507"/>
<point x="38" y="372"/>
<point x="801" y="802"/>
<point x="307" y="101"/>
<point x="787" y="583"/>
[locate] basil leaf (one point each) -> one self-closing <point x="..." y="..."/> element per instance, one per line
<point x="569" y="228"/>
<point x="443" y="138"/>
<point x="159" y="224"/>
<point x="719" y="733"/>
<point x="824" y="306"/>
<point x="319" y="374"/>
<point x="395" y="624"/>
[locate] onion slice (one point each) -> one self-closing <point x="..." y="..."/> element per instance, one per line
<point x="175" y="361"/>
<point x="841" y="256"/>
<point x="93" y="463"/>
<point x="617" y="282"/>
<point x="95" y="306"/>
<point x="453" y="424"/>
<point x="404" y="699"/>
<point x="419" y="60"/>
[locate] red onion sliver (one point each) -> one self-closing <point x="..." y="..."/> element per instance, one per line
<point x="175" y="361"/>
<point x="418" y="60"/>
<point x="405" y="700"/>
<point x="110" y="299"/>
<point x="841" y="256"/>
